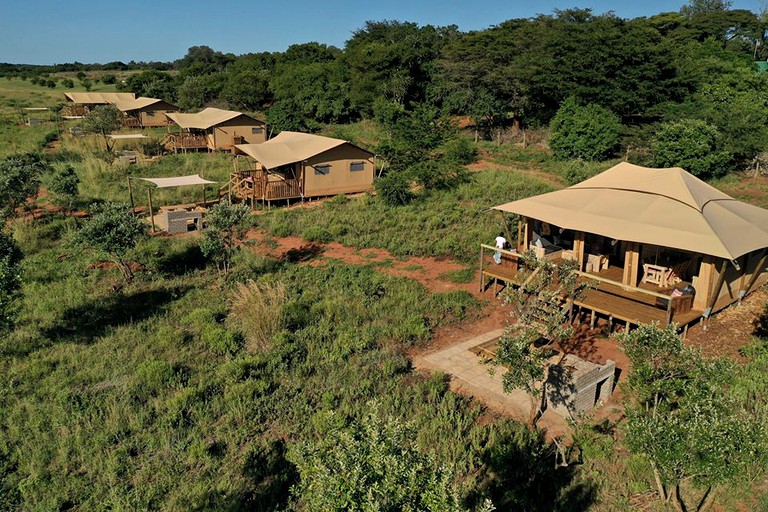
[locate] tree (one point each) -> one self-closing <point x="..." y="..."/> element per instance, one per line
<point x="19" y="180"/>
<point x="225" y="224"/>
<point x="371" y="465"/>
<point x="683" y="418"/>
<point x="694" y="7"/>
<point x="196" y="91"/>
<point x="536" y="321"/>
<point x="153" y="84"/>
<point x="103" y="120"/>
<point x="588" y="132"/>
<point x="112" y="230"/>
<point x="10" y="280"/>
<point x="691" y="144"/>
<point x="64" y="186"/>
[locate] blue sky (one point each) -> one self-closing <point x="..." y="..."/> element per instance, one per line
<point x="51" y="31"/>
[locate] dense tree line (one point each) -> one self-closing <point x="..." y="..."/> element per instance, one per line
<point x="676" y="67"/>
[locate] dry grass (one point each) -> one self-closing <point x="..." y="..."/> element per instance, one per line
<point x="257" y="309"/>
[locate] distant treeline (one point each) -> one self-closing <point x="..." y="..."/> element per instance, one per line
<point x="698" y="63"/>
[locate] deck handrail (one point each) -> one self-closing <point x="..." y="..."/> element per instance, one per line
<point x="622" y="285"/>
<point x="502" y="251"/>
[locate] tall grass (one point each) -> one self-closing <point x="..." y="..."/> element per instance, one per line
<point x="441" y="223"/>
<point x="143" y="398"/>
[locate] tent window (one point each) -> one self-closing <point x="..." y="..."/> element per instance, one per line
<point x="323" y="170"/>
<point x="257" y="131"/>
<point x="357" y="166"/>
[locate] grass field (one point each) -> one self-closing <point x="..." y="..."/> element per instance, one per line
<point x="188" y="390"/>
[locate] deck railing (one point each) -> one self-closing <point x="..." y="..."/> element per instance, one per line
<point x="188" y="141"/>
<point x="511" y="262"/>
<point x="673" y="303"/>
<point x="256" y="184"/>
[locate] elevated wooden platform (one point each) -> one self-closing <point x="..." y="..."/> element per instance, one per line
<point x="604" y="296"/>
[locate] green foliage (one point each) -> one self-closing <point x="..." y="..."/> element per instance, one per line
<point x="225" y="225"/>
<point x="693" y="145"/>
<point x="394" y="189"/>
<point x="10" y="280"/>
<point x="536" y="320"/>
<point x="683" y="416"/>
<point x="112" y="230"/>
<point x="588" y="132"/>
<point x="64" y="185"/>
<point x="19" y="180"/>
<point x="371" y="465"/>
<point x="103" y="119"/>
<point x="443" y="223"/>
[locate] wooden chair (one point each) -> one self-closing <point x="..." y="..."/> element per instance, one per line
<point x="655" y="274"/>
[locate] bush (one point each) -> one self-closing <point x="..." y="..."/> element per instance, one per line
<point x="394" y="189"/>
<point x="317" y="234"/>
<point x="459" y="150"/>
<point x="693" y="145"/>
<point x="589" y="132"/>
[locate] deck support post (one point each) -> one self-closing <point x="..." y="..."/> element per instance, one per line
<point x="758" y="270"/>
<point x="716" y="290"/>
<point x="482" y="250"/>
<point x="151" y="215"/>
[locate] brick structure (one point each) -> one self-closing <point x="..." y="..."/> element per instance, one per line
<point x="575" y="386"/>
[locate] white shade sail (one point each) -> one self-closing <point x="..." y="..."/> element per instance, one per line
<point x="178" y="181"/>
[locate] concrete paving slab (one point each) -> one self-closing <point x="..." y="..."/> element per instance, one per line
<point x="470" y="376"/>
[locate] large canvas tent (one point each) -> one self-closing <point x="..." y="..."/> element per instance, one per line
<point x="215" y="129"/>
<point x="302" y="165"/>
<point x="80" y="103"/>
<point x="664" y="207"/>
<point x="639" y="212"/>
<point x="146" y="112"/>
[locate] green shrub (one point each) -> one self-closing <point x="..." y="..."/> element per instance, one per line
<point x="394" y="189"/>
<point x="221" y="341"/>
<point x="317" y="234"/>
<point x="588" y="132"/>
<point x="459" y="150"/>
<point x="693" y="145"/>
<point x="154" y="376"/>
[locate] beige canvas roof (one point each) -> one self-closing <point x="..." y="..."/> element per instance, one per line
<point x="205" y="118"/>
<point x="136" y="103"/>
<point x="99" y="98"/>
<point x="178" y="181"/>
<point x="289" y="147"/>
<point x="665" y="207"/>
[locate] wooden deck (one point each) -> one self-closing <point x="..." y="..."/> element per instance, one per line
<point x="605" y="296"/>
<point x="258" y="185"/>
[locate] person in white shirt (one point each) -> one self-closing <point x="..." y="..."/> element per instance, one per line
<point x="501" y="243"/>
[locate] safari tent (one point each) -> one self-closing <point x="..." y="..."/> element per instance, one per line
<point x="214" y="129"/>
<point x="640" y="236"/>
<point x="145" y="112"/>
<point x="300" y="165"/>
<point x="80" y="103"/>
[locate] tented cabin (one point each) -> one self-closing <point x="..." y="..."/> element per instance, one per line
<point x="214" y="129"/>
<point x="145" y="112"/>
<point x="655" y="245"/>
<point x="300" y="165"/>
<point x="80" y="103"/>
